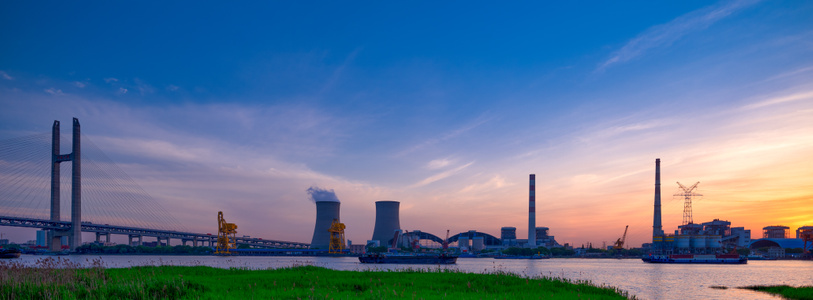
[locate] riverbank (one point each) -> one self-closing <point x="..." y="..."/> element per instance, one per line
<point x="60" y="279"/>
<point x="789" y="292"/>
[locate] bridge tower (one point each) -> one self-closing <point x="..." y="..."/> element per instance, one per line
<point x="75" y="157"/>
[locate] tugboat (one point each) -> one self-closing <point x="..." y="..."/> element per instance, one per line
<point x="397" y="258"/>
<point x="696" y="259"/>
<point x="10" y="253"/>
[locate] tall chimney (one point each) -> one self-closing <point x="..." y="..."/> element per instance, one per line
<point x="657" y="229"/>
<point x="532" y="212"/>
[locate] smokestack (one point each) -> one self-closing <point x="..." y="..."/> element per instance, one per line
<point x="326" y="211"/>
<point x="657" y="229"/>
<point x="532" y="212"/>
<point x="387" y="221"/>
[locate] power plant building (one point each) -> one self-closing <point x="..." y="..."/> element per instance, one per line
<point x="709" y="237"/>
<point x="775" y="232"/>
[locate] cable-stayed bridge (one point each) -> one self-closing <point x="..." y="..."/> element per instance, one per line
<point x="102" y="198"/>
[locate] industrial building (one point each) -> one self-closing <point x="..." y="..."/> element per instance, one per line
<point x="775" y="232"/>
<point x="708" y="237"/>
<point x="388" y="227"/>
<point x="776" y="239"/>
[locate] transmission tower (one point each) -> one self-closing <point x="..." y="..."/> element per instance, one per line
<point x="688" y="193"/>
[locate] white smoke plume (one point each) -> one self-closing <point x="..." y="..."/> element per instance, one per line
<point x="319" y="195"/>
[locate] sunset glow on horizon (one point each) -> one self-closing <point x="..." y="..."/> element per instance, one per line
<point x="446" y="109"/>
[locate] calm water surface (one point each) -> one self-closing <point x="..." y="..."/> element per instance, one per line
<point x="646" y="281"/>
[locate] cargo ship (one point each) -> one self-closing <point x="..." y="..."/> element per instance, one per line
<point x="696" y="259"/>
<point x="393" y="258"/>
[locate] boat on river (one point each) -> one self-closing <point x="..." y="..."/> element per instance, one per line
<point x="696" y="259"/>
<point x="10" y="253"/>
<point x="403" y="258"/>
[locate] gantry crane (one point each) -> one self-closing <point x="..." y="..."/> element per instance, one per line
<point x="336" y="237"/>
<point x="226" y="235"/>
<point x="688" y="193"/>
<point x="619" y="244"/>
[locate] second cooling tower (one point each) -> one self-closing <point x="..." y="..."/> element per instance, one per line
<point x="326" y="211"/>
<point x="387" y="221"/>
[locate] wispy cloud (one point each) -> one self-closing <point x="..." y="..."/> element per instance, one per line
<point x="143" y="87"/>
<point x="79" y="84"/>
<point x="449" y="135"/>
<point x="665" y="34"/>
<point x="496" y="182"/>
<point x="438" y="163"/>
<point x="6" y="76"/>
<point x="782" y="99"/>
<point x="54" y="91"/>
<point x="110" y="79"/>
<point x="338" y="72"/>
<point x="791" y="73"/>
<point x="440" y="176"/>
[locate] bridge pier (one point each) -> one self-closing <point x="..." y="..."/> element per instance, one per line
<point x="130" y="239"/>
<point x="194" y="241"/>
<point x="99" y="237"/>
<point x="55" y="239"/>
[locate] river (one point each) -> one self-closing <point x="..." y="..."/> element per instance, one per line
<point x="645" y="281"/>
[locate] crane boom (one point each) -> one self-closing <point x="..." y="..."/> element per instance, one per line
<point x="619" y="244"/>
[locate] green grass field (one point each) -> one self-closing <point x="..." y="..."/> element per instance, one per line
<point x="57" y="281"/>
<point x="801" y="293"/>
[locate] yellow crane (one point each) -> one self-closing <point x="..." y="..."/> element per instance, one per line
<point x="336" y="237"/>
<point x="619" y="244"/>
<point x="226" y="235"/>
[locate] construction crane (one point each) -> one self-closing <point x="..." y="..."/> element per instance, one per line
<point x="688" y="193"/>
<point x="336" y="237"/>
<point x="226" y="235"/>
<point x="807" y="238"/>
<point x="619" y="244"/>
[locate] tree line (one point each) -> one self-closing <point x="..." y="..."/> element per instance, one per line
<point x="127" y="249"/>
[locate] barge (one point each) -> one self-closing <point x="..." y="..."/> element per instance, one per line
<point x="390" y="258"/>
<point x="696" y="259"/>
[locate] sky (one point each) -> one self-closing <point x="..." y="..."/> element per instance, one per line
<point x="445" y="107"/>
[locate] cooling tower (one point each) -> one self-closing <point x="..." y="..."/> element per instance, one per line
<point x="326" y="211"/>
<point x="386" y="221"/>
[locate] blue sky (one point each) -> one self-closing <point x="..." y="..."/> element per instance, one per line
<point x="445" y="107"/>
